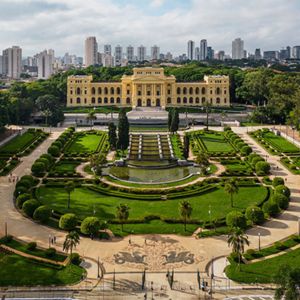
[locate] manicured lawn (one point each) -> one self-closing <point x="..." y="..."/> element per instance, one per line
<point x="263" y="271"/>
<point x="85" y="201"/>
<point x="280" y="143"/>
<point x="177" y="146"/>
<point x="66" y="166"/>
<point x="18" y="271"/>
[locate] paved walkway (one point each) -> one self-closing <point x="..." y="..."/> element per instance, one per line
<point x="203" y="249"/>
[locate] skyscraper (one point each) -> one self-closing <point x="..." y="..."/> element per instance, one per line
<point x="296" y="52"/>
<point x="141" y="53"/>
<point x="257" y="54"/>
<point x="107" y="49"/>
<point x="12" y="62"/>
<point x="203" y="50"/>
<point x="45" y="62"/>
<point x="210" y="53"/>
<point x="238" y="49"/>
<point x="130" y="53"/>
<point x="118" y="55"/>
<point x="155" y="51"/>
<point x="91" y="51"/>
<point x="197" y="53"/>
<point x="191" y="50"/>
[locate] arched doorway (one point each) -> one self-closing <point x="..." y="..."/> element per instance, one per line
<point x="139" y="102"/>
<point x="148" y="102"/>
<point x="157" y="102"/>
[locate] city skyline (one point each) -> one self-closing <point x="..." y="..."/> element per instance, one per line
<point x="169" y="24"/>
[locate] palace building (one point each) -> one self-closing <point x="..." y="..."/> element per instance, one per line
<point x="148" y="87"/>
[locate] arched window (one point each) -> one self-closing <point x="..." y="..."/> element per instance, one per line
<point x="78" y="91"/>
<point x="105" y="100"/>
<point x="184" y="90"/>
<point x="178" y="90"/>
<point x="127" y="100"/>
<point x="225" y="92"/>
<point x="105" y="90"/>
<point x="112" y="90"/>
<point x="118" y="91"/>
<point x="191" y="91"/>
<point x="169" y="100"/>
<point x="218" y="91"/>
<point x="203" y="100"/>
<point x="218" y="100"/>
<point x="197" y="100"/>
<point x="93" y="100"/>
<point x="225" y="100"/>
<point x="203" y="91"/>
<point x="178" y="100"/>
<point x="78" y="100"/>
<point x="191" y="100"/>
<point x="118" y="100"/>
<point x="99" y="90"/>
<point x="99" y="100"/>
<point x="112" y="100"/>
<point x="93" y="91"/>
<point x="185" y="100"/>
<point x="197" y="91"/>
<point x="71" y="100"/>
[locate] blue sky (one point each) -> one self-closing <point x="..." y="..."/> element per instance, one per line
<point x="64" y="24"/>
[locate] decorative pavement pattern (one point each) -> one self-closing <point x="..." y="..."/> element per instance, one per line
<point x="156" y="253"/>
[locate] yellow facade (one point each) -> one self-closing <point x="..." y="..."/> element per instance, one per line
<point x="148" y="87"/>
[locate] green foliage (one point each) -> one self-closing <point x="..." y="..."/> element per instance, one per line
<point x="21" y="199"/>
<point x="271" y="208"/>
<point x="50" y="252"/>
<point x="38" y="168"/>
<point x="122" y="213"/>
<point x="262" y="168"/>
<point x="90" y="226"/>
<point x="29" y="206"/>
<point x="284" y="190"/>
<point x="54" y="151"/>
<point x="174" y="121"/>
<point x="112" y="135"/>
<point x="246" y="150"/>
<point x="31" y="246"/>
<point x="42" y="214"/>
<point x="277" y="181"/>
<point x="123" y="131"/>
<point x="236" y="219"/>
<point x="185" y="210"/>
<point x="68" y="221"/>
<point x="281" y="200"/>
<point x="75" y="259"/>
<point x="255" y="214"/>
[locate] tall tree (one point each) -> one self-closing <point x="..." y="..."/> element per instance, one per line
<point x="237" y="240"/>
<point x="112" y="135"/>
<point x="202" y="161"/>
<point x="185" y="210"/>
<point x="122" y="213"/>
<point x="175" y="121"/>
<point x="231" y="188"/>
<point x="123" y="131"/>
<point x="170" y="117"/>
<point x="91" y="116"/>
<point x="186" y="146"/>
<point x="71" y="241"/>
<point x="69" y="187"/>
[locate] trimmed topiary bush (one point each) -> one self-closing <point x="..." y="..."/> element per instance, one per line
<point x="50" y="252"/>
<point x="75" y="259"/>
<point x="271" y="208"/>
<point x="284" y="190"/>
<point x="68" y="222"/>
<point x="255" y="214"/>
<point x="42" y="214"/>
<point x="246" y="150"/>
<point x="236" y="219"/>
<point x="21" y="199"/>
<point x="277" y="181"/>
<point x="90" y="226"/>
<point x="262" y="168"/>
<point x="30" y="206"/>
<point x="281" y="200"/>
<point x="38" y="168"/>
<point x="54" y="151"/>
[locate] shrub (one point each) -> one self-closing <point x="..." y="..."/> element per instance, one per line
<point x="277" y="181"/>
<point x="7" y="239"/>
<point x="48" y="157"/>
<point x="38" y="168"/>
<point x="262" y="168"/>
<point x="42" y="214"/>
<point x="250" y="252"/>
<point x="280" y="246"/>
<point x="50" y="252"/>
<point x="284" y="190"/>
<point x="21" y="199"/>
<point x="31" y="246"/>
<point x="75" y="259"/>
<point x="236" y="219"/>
<point x="90" y="226"/>
<point x="28" y="178"/>
<point x="54" y="151"/>
<point x="68" y="222"/>
<point x="234" y="257"/>
<point x="271" y="208"/>
<point x="246" y="150"/>
<point x="45" y="161"/>
<point x="255" y="214"/>
<point x="281" y="200"/>
<point x="30" y="206"/>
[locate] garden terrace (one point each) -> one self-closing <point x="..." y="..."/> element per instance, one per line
<point x="65" y="168"/>
<point x="177" y="146"/>
<point x="87" y="143"/>
<point x="24" y="143"/>
<point x="236" y="167"/>
<point x="292" y="163"/>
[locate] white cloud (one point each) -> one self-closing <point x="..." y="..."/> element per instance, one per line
<point x="64" y="24"/>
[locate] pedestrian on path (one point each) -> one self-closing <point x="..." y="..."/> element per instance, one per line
<point x="54" y="239"/>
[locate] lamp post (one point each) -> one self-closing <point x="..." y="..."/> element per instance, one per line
<point x="259" y="241"/>
<point x="98" y="268"/>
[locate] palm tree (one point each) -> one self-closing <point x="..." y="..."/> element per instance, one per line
<point x="203" y="161"/>
<point x="71" y="241"/>
<point x="231" y="188"/>
<point x="122" y="213"/>
<point x="185" y="210"/>
<point x="207" y="105"/>
<point x="237" y="240"/>
<point x="69" y="187"/>
<point x="91" y="117"/>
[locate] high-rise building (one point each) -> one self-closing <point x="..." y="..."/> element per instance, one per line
<point x="221" y="55"/>
<point x="45" y="62"/>
<point x="191" y="50"/>
<point x="197" y="53"/>
<point x="155" y="51"/>
<point x="285" y="53"/>
<point x="118" y="55"/>
<point x="210" y="53"/>
<point x="12" y="62"/>
<point x="203" y="50"/>
<point x="169" y="56"/>
<point x="130" y="53"/>
<point x="107" y="49"/>
<point x="91" y="51"/>
<point x="238" y="49"/>
<point x="271" y="55"/>
<point x="296" y="52"/>
<point x="1" y="65"/>
<point x="141" y="53"/>
<point x="257" y="54"/>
